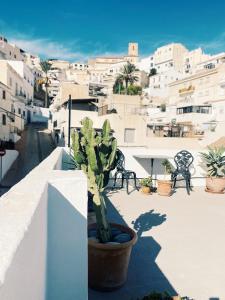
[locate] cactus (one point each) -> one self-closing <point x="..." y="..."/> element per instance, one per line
<point x="95" y="154"/>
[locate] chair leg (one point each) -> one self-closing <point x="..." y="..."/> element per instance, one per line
<point x="174" y="181"/>
<point x="115" y="177"/>
<point x="187" y="185"/>
<point x="127" y="184"/>
<point x="189" y="181"/>
<point x="135" y="181"/>
<point x="122" y="181"/>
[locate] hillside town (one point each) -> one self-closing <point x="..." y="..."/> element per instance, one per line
<point x="112" y="174"/>
<point x="174" y="92"/>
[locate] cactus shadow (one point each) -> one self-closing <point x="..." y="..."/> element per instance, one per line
<point x="144" y="275"/>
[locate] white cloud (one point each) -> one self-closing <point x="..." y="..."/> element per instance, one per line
<point x="46" y="48"/>
<point x="215" y="45"/>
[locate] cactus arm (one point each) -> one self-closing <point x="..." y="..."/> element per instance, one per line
<point x="96" y="155"/>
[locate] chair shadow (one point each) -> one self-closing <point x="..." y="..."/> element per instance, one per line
<point x="144" y="275"/>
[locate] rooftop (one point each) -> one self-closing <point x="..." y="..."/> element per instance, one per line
<point x="180" y="247"/>
<point x="43" y="229"/>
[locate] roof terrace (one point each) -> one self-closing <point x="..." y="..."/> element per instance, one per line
<point x="43" y="229"/>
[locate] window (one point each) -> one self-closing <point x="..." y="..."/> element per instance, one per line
<point x="19" y="111"/>
<point x="3" y="94"/>
<point x="129" y="135"/>
<point x="24" y="114"/>
<point x="3" y="119"/>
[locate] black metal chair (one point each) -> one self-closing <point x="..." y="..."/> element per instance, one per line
<point x="126" y="174"/>
<point x="183" y="161"/>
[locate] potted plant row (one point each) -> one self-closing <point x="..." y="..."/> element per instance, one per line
<point x="109" y="244"/>
<point x="214" y="161"/>
<point x="164" y="186"/>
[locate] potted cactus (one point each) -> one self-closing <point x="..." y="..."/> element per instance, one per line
<point x="214" y="161"/>
<point x="146" y="185"/>
<point x="109" y="245"/>
<point x="164" y="187"/>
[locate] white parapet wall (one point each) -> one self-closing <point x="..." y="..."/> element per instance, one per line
<point x="43" y="234"/>
<point x="7" y="160"/>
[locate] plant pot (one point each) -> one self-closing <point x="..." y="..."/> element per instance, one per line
<point x="164" y="187"/>
<point x="215" y="184"/>
<point x="146" y="189"/>
<point x="108" y="263"/>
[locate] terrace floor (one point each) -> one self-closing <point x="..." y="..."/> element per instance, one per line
<point x="181" y="245"/>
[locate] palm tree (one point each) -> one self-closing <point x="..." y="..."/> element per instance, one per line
<point x="45" y="66"/>
<point x="118" y="85"/>
<point x="127" y="74"/>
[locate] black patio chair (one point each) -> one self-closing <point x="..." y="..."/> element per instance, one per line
<point x="126" y="174"/>
<point x="183" y="161"/>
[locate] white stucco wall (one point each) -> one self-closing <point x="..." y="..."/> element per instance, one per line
<point x="43" y="240"/>
<point x="7" y="160"/>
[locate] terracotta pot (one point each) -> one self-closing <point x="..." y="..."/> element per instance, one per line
<point x="108" y="263"/>
<point x="215" y="184"/>
<point x="164" y="187"/>
<point x="146" y="189"/>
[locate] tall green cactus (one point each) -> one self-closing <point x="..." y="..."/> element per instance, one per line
<point x="95" y="154"/>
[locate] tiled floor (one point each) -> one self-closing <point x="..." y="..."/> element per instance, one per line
<point x="181" y="245"/>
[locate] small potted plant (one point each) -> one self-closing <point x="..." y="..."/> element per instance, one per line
<point x="109" y="244"/>
<point x="164" y="186"/>
<point x="146" y="185"/>
<point x="214" y="161"/>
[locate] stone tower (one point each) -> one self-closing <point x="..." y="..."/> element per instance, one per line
<point x="133" y="49"/>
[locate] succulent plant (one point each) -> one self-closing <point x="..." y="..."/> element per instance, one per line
<point x="214" y="161"/>
<point x="95" y="154"/>
<point x="168" y="168"/>
<point x="146" y="181"/>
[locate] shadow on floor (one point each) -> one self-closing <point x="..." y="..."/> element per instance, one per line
<point x="144" y="275"/>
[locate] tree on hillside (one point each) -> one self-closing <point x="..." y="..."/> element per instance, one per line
<point x="134" y="89"/>
<point x="153" y="72"/>
<point x="127" y="75"/>
<point x="118" y="87"/>
<point x="45" y="66"/>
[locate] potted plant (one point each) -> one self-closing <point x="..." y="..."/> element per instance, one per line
<point x="109" y="245"/>
<point x="164" y="187"/>
<point x="146" y="185"/>
<point x="214" y="161"/>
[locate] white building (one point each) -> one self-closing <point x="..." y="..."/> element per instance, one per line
<point x="28" y="79"/>
<point x="9" y="51"/>
<point x="17" y="92"/>
<point x="192" y="59"/>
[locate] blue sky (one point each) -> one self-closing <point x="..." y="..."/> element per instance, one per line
<point x="78" y="29"/>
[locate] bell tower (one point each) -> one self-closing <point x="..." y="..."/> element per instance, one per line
<point x="133" y="49"/>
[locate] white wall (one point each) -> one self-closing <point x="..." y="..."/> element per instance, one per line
<point x="43" y="238"/>
<point x="7" y="160"/>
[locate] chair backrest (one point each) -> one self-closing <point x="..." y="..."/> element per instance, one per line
<point x="120" y="160"/>
<point x="183" y="160"/>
